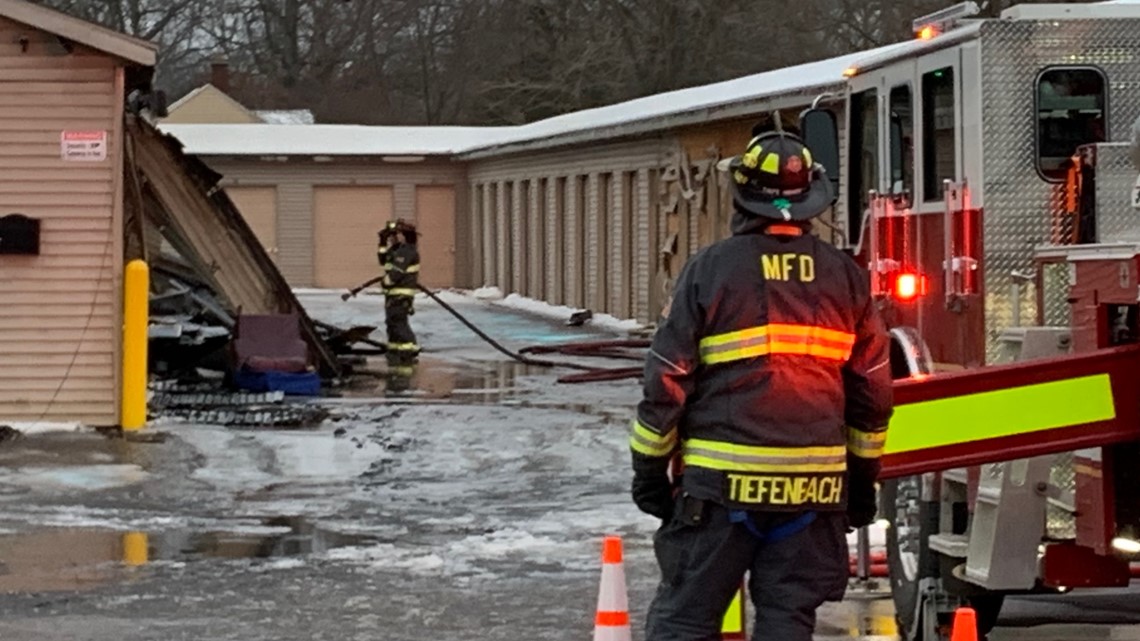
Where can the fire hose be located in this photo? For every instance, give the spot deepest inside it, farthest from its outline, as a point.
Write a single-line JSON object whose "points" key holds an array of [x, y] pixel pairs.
{"points": [[588, 373]]}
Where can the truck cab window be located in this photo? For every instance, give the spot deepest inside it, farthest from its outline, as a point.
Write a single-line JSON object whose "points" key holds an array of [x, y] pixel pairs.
{"points": [[902, 140], [939, 156], [1070, 112], [864, 159]]}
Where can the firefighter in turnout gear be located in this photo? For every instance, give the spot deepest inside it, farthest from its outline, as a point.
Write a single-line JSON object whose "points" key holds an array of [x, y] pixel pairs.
{"points": [[768, 384], [401, 262]]}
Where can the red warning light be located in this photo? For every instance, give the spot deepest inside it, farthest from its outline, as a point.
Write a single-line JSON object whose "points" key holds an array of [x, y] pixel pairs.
{"points": [[909, 286]]}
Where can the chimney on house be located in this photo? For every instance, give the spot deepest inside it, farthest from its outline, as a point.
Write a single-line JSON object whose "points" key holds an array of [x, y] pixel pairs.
{"points": [[220, 73]]}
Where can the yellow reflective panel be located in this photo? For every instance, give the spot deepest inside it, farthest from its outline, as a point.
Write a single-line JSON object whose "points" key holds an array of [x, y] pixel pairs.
{"points": [[1009, 412], [734, 617], [771, 164]]}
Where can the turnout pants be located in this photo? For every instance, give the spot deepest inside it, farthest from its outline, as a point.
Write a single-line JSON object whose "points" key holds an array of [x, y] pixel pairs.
{"points": [[402, 345], [704, 556]]}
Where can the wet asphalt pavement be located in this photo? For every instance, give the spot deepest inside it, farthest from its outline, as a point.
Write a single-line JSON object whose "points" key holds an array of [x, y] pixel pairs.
{"points": [[471, 506]]}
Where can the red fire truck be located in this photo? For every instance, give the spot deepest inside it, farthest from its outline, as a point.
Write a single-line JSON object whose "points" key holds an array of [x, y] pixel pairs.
{"points": [[987, 174]]}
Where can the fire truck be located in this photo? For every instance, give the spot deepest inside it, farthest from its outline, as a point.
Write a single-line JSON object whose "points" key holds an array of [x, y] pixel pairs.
{"points": [[987, 175]]}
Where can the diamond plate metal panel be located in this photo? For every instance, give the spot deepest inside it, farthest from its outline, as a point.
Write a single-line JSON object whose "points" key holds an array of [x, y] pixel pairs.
{"points": [[1116, 220], [1056, 281], [1059, 521], [1018, 202]]}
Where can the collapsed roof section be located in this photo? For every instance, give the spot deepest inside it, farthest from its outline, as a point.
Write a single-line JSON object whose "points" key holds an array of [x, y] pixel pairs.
{"points": [[177, 196]]}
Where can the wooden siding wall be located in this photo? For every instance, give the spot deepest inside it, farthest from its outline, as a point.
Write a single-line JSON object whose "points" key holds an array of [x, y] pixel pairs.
{"points": [[296, 179], [60, 311], [572, 228]]}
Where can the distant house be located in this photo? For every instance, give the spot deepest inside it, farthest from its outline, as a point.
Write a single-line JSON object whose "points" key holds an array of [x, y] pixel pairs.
{"points": [[208, 105], [211, 104]]}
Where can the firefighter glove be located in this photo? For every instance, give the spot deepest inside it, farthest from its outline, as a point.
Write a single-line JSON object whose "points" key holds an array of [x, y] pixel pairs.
{"points": [[652, 490], [862, 498]]}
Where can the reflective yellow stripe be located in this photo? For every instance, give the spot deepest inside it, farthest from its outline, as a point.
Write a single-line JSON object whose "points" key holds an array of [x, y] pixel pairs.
{"points": [[1000, 413], [403, 347], [777, 338], [866, 444], [734, 618], [414, 269], [648, 442], [399, 291], [731, 457]]}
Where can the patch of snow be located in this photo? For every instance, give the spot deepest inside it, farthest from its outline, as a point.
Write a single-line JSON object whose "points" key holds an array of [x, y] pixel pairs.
{"points": [[281, 564], [547, 310], [487, 293], [328, 140], [77, 478], [45, 427], [286, 116], [317, 139]]}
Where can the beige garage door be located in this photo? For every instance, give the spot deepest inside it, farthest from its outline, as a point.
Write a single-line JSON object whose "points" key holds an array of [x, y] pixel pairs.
{"points": [[258, 205], [345, 223], [435, 219]]}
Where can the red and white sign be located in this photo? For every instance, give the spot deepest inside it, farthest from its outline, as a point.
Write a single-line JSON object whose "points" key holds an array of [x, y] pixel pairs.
{"points": [[83, 146]]}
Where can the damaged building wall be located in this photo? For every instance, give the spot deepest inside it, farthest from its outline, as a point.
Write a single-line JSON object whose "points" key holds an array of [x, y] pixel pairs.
{"points": [[322, 228], [60, 311], [180, 197]]}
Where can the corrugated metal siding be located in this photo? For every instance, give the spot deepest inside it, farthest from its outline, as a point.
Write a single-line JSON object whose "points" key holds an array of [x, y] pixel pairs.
{"points": [[295, 233], [574, 239], [59, 320], [555, 247], [595, 242], [620, 260], [296, 178], [490, 224], [404, 200], [641, 249], [518, 238], [478, 228], [536, 235], [503, 235], [580, 248]]}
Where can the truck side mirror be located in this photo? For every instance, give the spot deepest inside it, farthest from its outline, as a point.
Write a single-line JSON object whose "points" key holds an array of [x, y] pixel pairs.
{"points": [[821, 135]]}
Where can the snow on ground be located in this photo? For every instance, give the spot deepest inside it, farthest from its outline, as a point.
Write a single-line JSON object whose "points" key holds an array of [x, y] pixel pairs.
{"points": [[539, 308], [367, 307], [44, 427]]}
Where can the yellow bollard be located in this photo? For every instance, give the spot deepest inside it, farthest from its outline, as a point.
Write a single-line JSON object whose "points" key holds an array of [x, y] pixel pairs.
{"points": [[136, 314], [135, 548]]}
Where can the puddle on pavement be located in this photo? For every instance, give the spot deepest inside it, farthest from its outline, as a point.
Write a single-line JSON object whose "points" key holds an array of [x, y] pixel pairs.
{"points": [[432, 379], [77, 559]]}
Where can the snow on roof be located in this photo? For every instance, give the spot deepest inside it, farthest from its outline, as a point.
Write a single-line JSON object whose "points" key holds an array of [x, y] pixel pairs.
{"points": [[286, 116], [626, 118], [327, 140]]}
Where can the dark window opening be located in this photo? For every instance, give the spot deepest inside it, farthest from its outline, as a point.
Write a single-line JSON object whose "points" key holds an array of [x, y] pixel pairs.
{"points": [[1071, 107], [902, 140], [864, 160], [939, 132]]}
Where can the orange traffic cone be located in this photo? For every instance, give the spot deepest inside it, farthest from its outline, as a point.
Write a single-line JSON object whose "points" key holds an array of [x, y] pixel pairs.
{"points": [[612, 620], [965, 625]]}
